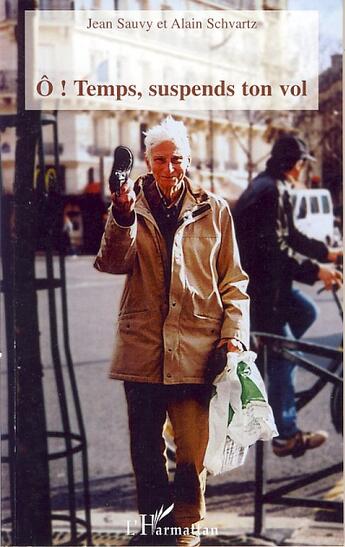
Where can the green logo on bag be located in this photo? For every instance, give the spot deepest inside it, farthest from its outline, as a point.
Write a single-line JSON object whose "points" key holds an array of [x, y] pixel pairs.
{"points": [[250, 391], [231, 414]]}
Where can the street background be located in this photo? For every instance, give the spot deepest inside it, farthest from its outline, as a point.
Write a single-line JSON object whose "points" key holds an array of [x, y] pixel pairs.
{"points": [[93, 301], [229, 148]]}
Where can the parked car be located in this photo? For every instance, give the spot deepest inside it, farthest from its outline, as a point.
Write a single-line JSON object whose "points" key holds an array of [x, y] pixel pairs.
{"points": [[313, 213]]}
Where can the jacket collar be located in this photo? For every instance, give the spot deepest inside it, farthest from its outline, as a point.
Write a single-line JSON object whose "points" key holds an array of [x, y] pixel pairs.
{"points": [[195, 195]]}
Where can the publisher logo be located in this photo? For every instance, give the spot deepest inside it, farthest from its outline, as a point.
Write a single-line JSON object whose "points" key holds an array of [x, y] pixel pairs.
{"points": [[151, 524]]}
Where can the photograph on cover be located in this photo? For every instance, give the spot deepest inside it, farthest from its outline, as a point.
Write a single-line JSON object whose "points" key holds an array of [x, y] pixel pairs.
{"points": [[171, 312]]}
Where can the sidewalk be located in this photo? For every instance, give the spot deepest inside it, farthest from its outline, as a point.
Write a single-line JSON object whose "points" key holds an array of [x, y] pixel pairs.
{"points": [[109, 529], [321, 529]]}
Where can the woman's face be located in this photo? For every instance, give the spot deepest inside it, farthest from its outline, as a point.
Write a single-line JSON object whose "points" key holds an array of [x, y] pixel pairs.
{"points": [[168, 164]]}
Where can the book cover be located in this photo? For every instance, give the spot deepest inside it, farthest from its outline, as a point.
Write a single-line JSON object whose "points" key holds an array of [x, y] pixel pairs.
{"points": [[77, 79]]}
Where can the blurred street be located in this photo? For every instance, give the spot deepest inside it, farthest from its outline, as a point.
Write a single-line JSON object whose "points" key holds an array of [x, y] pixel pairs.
{"points": [[93, 301]]}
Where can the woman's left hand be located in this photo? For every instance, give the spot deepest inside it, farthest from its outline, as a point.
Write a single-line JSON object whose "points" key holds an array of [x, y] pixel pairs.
{"points": [[233, 345]]}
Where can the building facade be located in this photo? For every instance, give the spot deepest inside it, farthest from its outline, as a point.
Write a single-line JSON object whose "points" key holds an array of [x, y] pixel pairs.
{"points": [[221, 144], [322, 130]]}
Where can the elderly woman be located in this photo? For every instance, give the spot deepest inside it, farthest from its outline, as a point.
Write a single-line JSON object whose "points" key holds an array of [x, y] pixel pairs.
{"points": [[184, 296]]}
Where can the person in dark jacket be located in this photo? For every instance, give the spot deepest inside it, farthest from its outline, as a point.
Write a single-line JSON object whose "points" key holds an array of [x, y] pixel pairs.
{"points": [[270, 248]]}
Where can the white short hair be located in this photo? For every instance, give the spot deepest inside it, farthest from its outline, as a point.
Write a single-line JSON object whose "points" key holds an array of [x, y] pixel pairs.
{"points": [[168, 130]]}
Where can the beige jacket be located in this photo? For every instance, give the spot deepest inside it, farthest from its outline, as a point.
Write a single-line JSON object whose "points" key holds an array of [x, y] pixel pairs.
{"points": [[167, 338]]}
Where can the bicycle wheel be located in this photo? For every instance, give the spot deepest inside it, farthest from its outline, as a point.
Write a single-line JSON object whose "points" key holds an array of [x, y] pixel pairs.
{"points": [[336, 404]]}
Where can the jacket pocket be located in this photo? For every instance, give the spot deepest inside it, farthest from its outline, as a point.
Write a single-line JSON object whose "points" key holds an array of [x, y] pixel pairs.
{"points": [[133, 320], [131, 314], [206, 308], [138, 347], [133, 301], [135, 333]]}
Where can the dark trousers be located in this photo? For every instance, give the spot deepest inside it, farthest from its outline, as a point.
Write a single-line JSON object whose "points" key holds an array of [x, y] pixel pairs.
{"points": [[187, 407]]}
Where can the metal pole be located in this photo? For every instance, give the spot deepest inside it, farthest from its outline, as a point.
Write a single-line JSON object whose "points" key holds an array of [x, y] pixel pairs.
{"points": [[260, 471], [8, 289], [31, 519], [54, 343]]}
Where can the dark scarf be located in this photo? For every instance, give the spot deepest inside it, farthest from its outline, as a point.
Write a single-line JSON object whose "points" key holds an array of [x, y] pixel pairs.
{"points": [[166, 217]]}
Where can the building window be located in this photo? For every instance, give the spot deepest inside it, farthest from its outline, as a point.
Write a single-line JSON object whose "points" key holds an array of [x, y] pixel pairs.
{"points": [[5, 148], [102, 71], [314, 205], [49, 148], [325, 204], [11, 9], [302, 213], [56, 4]]}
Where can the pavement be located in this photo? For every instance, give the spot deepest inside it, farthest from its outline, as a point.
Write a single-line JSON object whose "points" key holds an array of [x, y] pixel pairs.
{"points": [[109, 528], [220, 528], [230, 501]]}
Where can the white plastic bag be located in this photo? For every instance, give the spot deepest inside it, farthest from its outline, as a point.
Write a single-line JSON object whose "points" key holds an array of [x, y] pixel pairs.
{"points": [[252, 418], [222, 454], [239, 414]]}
